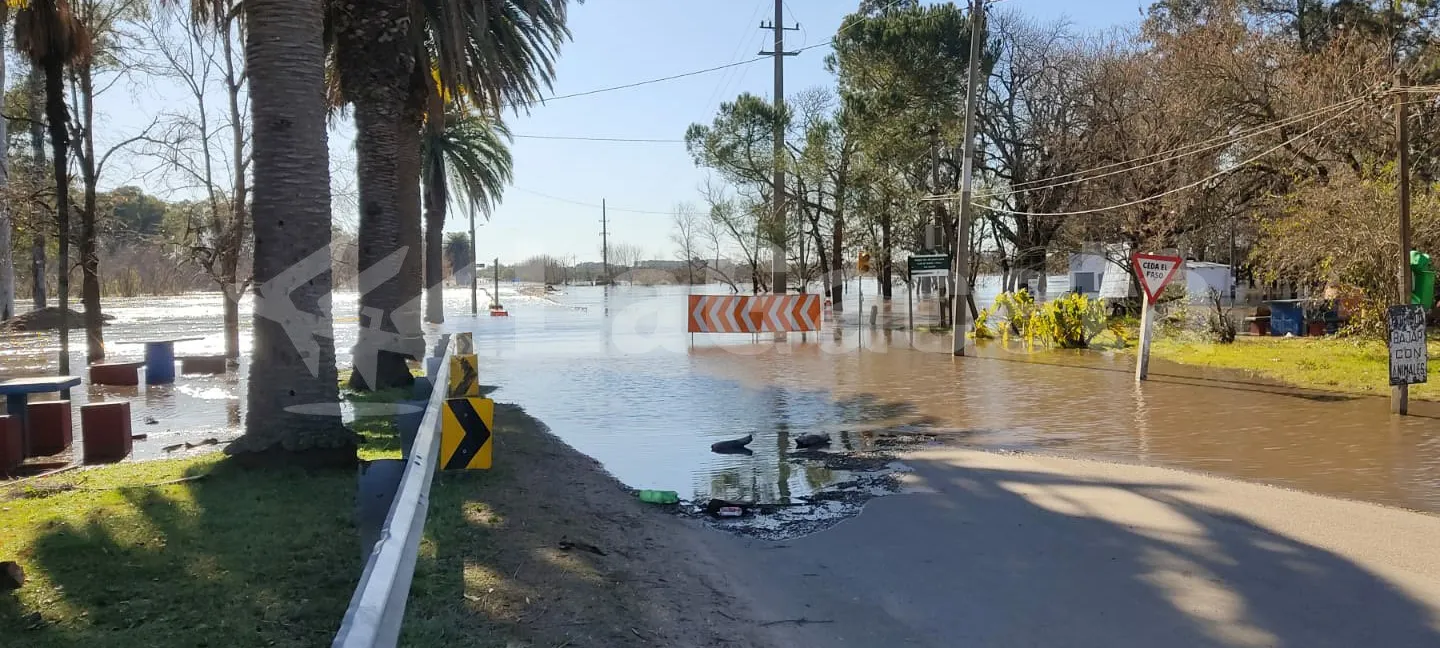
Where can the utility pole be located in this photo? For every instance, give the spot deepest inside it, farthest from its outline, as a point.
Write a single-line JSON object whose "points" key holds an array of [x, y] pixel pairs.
{"points": [[777, 243], [958, 321], [1400, 394], [474, 271], [604, 244]]}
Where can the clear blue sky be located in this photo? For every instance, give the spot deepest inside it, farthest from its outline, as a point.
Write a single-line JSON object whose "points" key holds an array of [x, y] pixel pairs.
{"points": [[615, 42], [622, 41]]}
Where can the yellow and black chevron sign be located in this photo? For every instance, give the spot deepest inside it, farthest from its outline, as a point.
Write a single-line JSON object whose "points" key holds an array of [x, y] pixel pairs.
{"points": [[465, 439], [464, 344], [464, 377]]}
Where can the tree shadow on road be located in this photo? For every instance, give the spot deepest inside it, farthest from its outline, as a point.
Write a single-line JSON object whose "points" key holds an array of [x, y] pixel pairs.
{"points": [[996, 556]]}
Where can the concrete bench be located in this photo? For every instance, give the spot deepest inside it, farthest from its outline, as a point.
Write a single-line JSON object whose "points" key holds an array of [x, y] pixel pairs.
{"points": [[116, 373]]}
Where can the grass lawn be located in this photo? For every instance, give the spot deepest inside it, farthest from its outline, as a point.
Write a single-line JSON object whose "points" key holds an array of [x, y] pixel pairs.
{"points": [[1335, 364], [237, 557], [234, 558]]}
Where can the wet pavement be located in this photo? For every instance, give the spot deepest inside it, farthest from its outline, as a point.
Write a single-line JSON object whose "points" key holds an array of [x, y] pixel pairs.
{"points": [[613, 373]]}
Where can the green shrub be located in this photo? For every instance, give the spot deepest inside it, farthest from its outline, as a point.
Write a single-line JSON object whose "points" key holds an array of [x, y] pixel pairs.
{"points": [[1070, 322]]}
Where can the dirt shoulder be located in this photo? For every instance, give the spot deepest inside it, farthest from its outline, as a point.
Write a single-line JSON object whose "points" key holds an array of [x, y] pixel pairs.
{"points": [[547, 549]]}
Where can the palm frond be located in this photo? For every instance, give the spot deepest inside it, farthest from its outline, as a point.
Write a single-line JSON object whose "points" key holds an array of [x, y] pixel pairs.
{"points": [[495, 54], [474, 154], [48, 28]]}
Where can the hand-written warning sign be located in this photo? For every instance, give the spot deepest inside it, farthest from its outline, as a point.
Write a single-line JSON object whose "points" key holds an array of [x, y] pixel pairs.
{"points": [[1154, 272], [1409, 359]]}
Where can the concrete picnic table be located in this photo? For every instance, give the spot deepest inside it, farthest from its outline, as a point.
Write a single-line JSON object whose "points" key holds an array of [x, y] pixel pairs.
{"points": [[160, 358], [17, 399]]}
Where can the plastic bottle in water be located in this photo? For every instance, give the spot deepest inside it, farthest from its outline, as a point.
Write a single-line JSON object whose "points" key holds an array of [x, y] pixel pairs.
{"points": [[659, 497]]}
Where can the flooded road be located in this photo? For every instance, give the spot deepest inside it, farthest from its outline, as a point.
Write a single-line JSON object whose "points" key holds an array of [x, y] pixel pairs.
{"points": [[615, 375]]}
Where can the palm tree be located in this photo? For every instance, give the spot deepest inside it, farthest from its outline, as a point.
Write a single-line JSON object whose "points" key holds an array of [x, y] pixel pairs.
{"points": [[48, 34], [471, 152], [458, 253], [394, 61], [291, 379]]}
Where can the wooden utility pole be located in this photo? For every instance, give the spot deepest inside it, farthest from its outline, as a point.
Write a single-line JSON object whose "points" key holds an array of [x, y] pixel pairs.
{"points": [[604, 244], [960, 317], [1400, 394], [777, 232]]}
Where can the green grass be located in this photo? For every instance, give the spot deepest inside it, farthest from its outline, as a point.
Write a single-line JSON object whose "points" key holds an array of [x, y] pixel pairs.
{"points": [[237, 557], [1329, 363]]}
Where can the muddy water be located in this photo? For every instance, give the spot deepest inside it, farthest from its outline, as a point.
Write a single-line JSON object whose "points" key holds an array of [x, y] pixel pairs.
{"points": [[615, 375]]}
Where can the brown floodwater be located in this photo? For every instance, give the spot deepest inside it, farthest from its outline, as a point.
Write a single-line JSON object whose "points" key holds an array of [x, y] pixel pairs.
{"points": [[613, 373]]}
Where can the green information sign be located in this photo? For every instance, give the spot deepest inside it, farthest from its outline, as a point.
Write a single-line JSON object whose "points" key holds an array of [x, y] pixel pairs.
{"points": [[930, 265]]}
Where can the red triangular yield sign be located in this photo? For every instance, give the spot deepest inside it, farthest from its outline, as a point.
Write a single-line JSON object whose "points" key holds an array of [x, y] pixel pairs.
{"points": [[1155, 271]]}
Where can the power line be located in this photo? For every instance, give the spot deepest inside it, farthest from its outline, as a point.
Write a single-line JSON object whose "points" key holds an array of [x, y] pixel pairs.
{"points": [[592, 205], [1162, 194], [580, 138], [1178, 152], [671, 77]]}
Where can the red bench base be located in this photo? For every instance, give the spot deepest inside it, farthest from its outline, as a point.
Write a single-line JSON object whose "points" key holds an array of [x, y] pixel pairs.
{"points": [[105, 429], [116, 373], [203, 365], [12, 452], [51, 426]]}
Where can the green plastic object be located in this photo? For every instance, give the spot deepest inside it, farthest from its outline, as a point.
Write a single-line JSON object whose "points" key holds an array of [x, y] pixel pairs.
{"points": [[659, 497], [1422, 279]]}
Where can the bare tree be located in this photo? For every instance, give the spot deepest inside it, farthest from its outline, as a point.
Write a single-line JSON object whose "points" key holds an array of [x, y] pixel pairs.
{"points": [[687, 238], [626, 255], [205, 146]]}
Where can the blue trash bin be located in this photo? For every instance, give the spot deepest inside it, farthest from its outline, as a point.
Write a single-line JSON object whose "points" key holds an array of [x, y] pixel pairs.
{"points": [[1287, 316], [159, 363]]}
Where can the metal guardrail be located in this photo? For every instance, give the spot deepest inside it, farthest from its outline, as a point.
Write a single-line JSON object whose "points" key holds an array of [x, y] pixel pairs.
{"points": [[378, 606]]}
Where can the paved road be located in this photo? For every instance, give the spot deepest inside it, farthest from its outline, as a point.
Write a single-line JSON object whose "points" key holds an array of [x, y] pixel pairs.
{"points": [[1015, 551]]}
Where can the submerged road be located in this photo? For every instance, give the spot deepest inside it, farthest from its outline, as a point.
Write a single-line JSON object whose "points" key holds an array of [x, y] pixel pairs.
{"points": [[1020, 550]]}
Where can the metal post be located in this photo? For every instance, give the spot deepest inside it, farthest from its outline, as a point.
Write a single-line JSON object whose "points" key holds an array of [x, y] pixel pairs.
{"points": [[1400, 394], [604, 243], [496, 296], [962, 235], [474, 271], [1142, 361]]}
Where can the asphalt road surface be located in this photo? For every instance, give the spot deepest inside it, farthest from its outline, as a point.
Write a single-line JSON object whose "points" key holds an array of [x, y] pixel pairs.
{"points": [[1017, 550]]}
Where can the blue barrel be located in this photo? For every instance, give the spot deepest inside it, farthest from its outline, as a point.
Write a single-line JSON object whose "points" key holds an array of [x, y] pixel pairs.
{"points": [[159, 363]]}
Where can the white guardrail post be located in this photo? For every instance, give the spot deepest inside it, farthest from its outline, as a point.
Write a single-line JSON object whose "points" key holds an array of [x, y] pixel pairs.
{"points": [[378, 606]]}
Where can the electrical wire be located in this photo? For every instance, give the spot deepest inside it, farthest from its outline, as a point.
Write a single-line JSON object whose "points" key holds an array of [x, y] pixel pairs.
{"points": [[1180, 152], [1219, 140], [578, 138], [592, 205], [1162, 194], [735, 55], [672, 77]]}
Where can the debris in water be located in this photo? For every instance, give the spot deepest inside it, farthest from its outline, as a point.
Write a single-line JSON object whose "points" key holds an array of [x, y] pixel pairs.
{"points": [[733, 446], [172, 448], [812, 440], [139, 437], [659, 497], [150, 420]]}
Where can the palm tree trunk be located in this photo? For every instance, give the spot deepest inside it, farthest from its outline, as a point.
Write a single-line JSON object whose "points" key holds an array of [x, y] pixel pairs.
{"points": [[379, 152], [379, 76], [58, 117], [435, 196], [288, 385]]}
